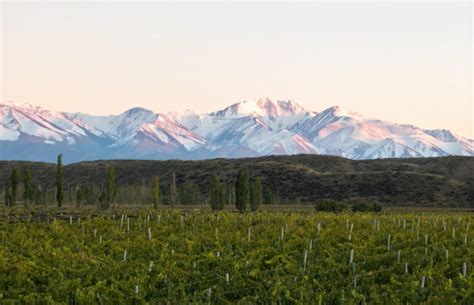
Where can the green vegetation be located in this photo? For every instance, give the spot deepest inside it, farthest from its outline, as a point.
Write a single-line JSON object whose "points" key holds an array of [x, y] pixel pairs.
{"points": [[435, 182], [189, 193], [256, 195], [27, 187], [80, 253], [173, 192], [270, 198], [217, 195], [8, 196], [110, 185], [59, 181], [156, 191], [242, 191], [89, 256], [326, 205], [14, 187], [366, 207]]}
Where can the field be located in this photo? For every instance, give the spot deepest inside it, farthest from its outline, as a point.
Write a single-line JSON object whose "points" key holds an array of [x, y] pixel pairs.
{"points": [[136, 256]]}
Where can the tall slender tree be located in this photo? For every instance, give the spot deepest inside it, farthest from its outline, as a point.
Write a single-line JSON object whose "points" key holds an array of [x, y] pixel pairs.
{"points": [[251, 195], [173, 194], [256, 194], [110, 196], [269, 198], [8, 195], [14, 186], [43, 194], [59, 181], [242, 192], [217, 196], [156, 191], [231, 194], [27, 187]]}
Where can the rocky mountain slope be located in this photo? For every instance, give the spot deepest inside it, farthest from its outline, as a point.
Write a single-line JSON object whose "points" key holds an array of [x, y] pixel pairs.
{"points": [[244, 129]]}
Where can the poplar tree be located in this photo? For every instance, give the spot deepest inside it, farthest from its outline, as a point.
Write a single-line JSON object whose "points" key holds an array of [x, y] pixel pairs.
{"points": [[251, 195], [8, 196], [231, 194], [242, 193], [217, 198], [80, 194], [256, 194], [43, 194], [269, 198], [59, 181], [156, 191], [277, 197], [110, 196], [27, 187], [14, 186], [173, 195]]}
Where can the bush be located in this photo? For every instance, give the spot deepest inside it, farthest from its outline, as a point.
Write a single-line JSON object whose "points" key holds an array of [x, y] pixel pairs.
{"points": [[366, 207], [327, 205]]}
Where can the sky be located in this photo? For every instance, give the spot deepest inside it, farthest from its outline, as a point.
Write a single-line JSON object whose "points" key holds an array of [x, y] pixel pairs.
{"points": [[405, 62]]}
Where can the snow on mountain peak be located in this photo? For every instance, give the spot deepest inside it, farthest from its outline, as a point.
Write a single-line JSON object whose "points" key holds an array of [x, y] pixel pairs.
{"points": [[266, 107], [279, 107], [248, 128], [137, 111], [338, 111], [50, 126], [27, 108], [442, 134]]}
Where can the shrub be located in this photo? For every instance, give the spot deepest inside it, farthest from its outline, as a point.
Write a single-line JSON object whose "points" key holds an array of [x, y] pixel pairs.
{"points": [[366, 207], [327, 205]]}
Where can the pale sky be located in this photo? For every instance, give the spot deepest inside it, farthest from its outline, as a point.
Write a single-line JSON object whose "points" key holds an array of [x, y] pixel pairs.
{"points": [[405, 62]]}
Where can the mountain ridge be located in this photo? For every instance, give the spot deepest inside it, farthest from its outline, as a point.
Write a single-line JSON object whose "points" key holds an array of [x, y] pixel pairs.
{"points": [[244, 129], [441, 181]]}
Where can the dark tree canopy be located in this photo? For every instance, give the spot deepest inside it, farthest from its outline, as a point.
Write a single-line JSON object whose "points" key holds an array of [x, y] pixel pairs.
{"points": [[110, 196], [256, 194], [217, 196], [14, 186], [156, 191], [242, 190], [59, 181]]}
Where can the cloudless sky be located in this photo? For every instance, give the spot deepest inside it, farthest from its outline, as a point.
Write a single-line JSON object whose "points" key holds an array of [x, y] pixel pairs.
{"points": [[404, 61]]}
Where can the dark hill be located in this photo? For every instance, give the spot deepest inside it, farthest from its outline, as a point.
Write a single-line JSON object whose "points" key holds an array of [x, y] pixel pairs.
{"points": [[447, 181]]}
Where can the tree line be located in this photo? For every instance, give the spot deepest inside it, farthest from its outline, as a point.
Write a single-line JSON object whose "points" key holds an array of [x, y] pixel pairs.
{"points": [[245, 194]]}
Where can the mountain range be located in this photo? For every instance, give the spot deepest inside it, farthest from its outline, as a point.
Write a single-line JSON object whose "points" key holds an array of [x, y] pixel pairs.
{"points": [[244, 129]]}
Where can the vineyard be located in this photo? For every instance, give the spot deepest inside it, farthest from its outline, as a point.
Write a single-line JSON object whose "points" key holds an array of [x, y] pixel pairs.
{"points": [[195, 257]]}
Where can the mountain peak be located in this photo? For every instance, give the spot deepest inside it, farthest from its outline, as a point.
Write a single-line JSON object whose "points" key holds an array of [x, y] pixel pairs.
{"points": [[22, 106], [137, 111], [442, 134], [247, 128], [340, 112], [279, 107], [335, 110], [17, 104], [264, 106]]}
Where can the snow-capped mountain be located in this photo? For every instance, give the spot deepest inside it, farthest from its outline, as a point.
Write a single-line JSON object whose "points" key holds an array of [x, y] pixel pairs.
{"points": [[33, 133], [262, 127], [248, 128]]}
